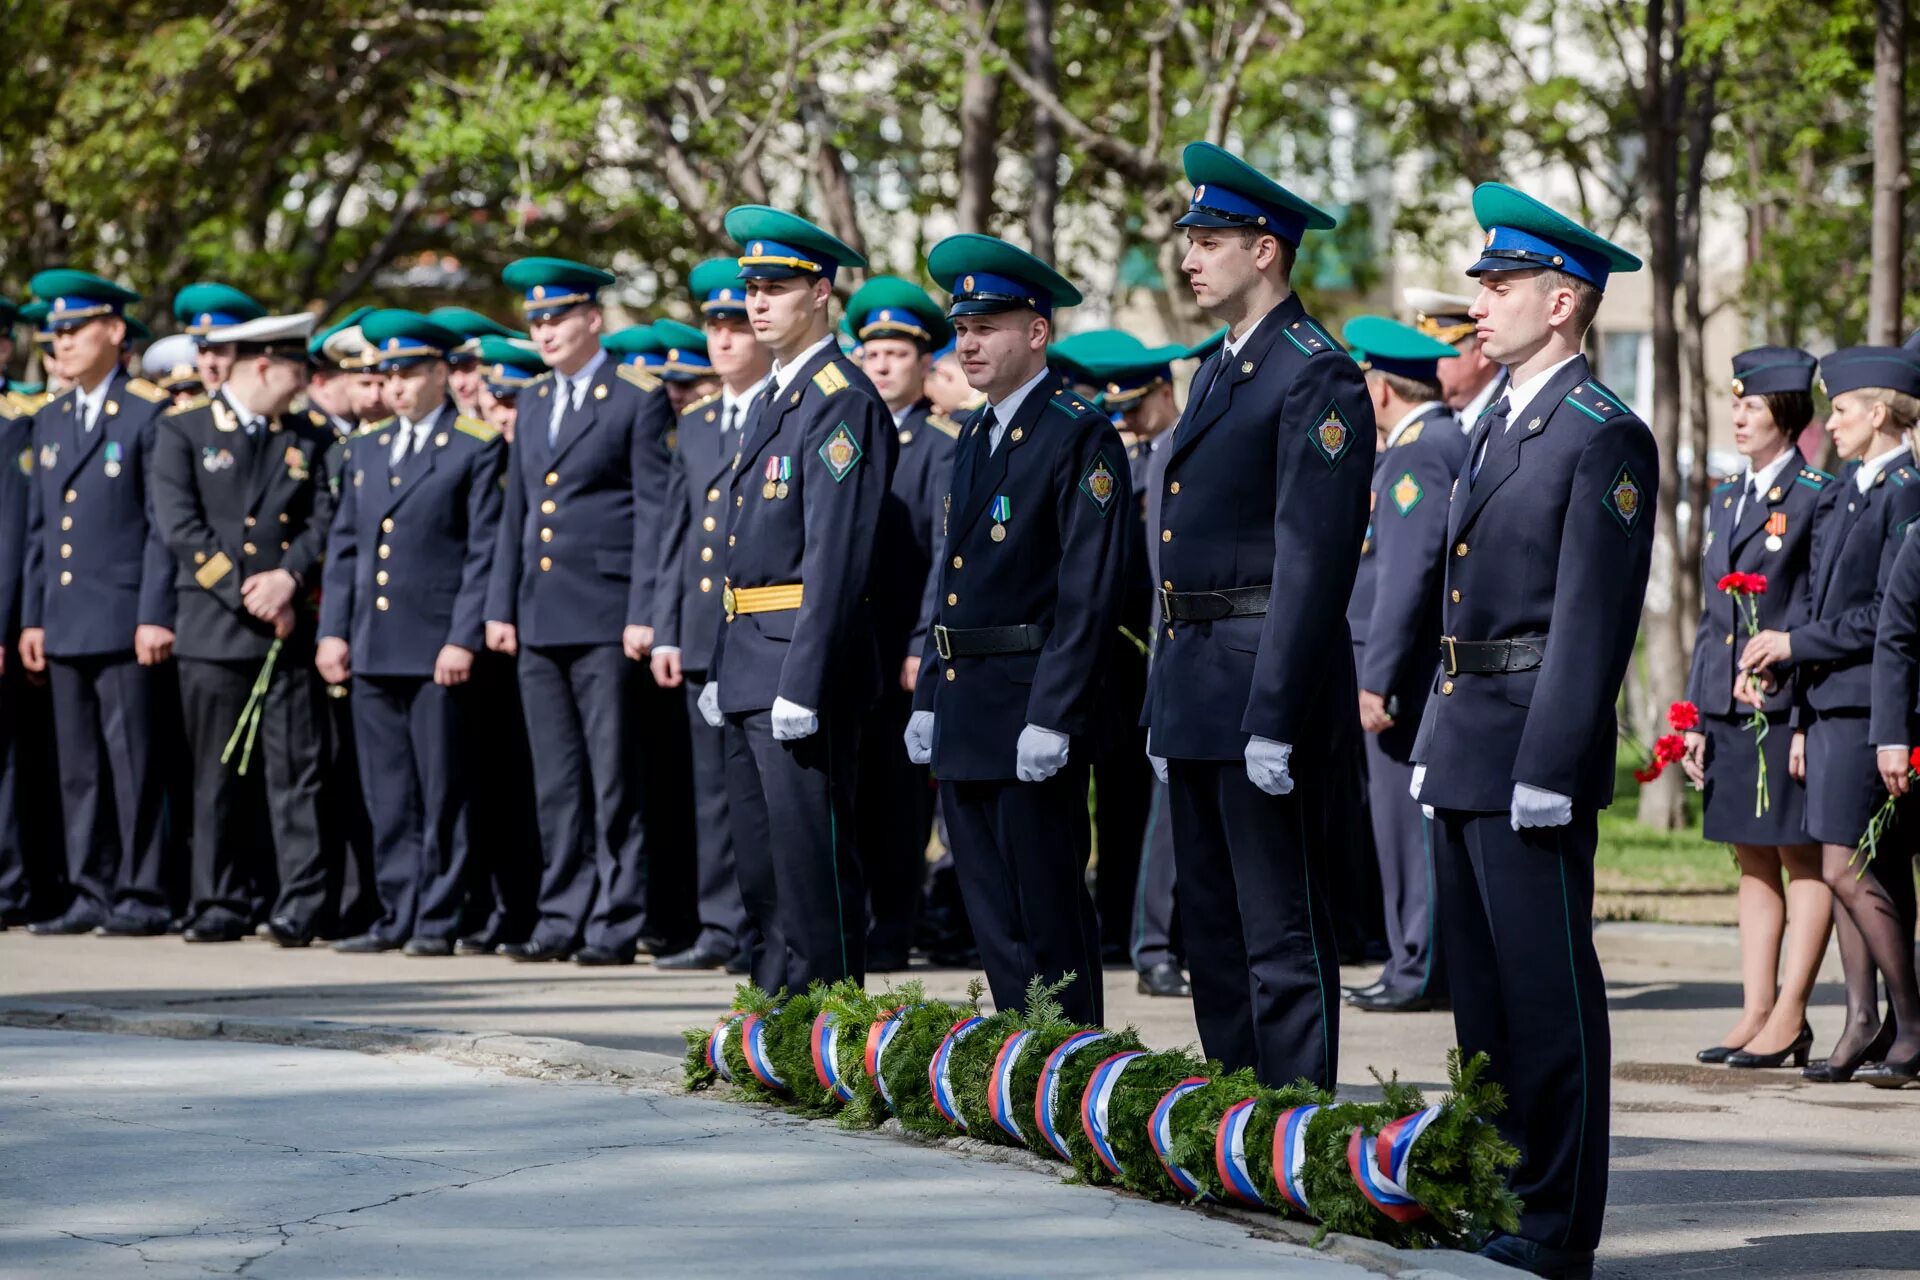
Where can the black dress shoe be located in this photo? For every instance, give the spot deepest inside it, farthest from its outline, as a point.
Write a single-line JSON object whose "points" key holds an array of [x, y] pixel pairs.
{"points": [[1391, 1002], [1716, 1055], [1540, 1259], [1840, 1071], [286, 932], [428, 947], [536, 952], [649, 945], [740, 963], [1798, 1050], [602, 957], [1371, 989], [216, 928], [130, 927], [694, 957], [477, 944], [1890, 1074], [75, 921], [1164, 979], [366, 944]]}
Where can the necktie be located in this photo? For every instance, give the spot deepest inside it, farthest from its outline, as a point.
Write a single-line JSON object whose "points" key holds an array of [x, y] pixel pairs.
{"points": [[1494, 423], [561, 400], [1748, 496]]}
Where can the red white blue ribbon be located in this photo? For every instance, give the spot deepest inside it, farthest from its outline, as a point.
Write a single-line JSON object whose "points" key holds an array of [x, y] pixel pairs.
{"points": [[1230, 1154], [1000, 1086], [879, 1036], [1095, 1102], [1046, 1099], [1160, 1134], [753, 1039], [1379, 1167], [943, 1100], [826, 1068], [1290, 1157], [717, 1043]]}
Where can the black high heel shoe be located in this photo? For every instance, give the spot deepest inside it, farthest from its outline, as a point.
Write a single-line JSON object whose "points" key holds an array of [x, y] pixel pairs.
{"points": [[1802, 1045], [1718, 1054], [1891, 1075], [1827, 1071]]}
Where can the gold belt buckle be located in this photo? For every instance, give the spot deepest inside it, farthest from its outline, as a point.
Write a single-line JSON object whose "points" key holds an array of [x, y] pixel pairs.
{"points": [[727, 600], [940, 644], [1453, 655]]}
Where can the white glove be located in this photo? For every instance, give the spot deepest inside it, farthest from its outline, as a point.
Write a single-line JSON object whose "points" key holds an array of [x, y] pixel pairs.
{"points": [[1419, 780], [1159, 763], [1267, 765], [791, 721], [919, 737], [1039, 754], [709, 705], [1535, 807], [1426, 811]]}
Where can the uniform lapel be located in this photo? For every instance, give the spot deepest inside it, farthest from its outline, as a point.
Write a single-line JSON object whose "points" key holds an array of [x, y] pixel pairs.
{"points": [[1754, 518], [1845, 518], [1231, 371], [82, 444], [415, 466], [576, 423], [990, 472], [1504, 453], [765, 425]]}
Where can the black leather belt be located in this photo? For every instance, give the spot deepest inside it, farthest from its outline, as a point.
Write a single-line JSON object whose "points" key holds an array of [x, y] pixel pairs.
{"points": [[1212, 606], [1492, 657], [988, 642]]}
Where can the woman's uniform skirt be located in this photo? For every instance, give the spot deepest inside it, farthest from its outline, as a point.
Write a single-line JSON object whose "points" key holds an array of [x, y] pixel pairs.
{"points": [[1732, 767]]}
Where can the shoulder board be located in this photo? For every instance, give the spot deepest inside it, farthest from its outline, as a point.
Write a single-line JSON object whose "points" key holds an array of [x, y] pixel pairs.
{"points": [[1070, 403], [477, 429], [1410, 435], [830, 380], [198, 402], [1310, 338], [638, 377], [1813, 478], [1725, 485], [148, 391], [372, 427], [701, 403], [944, 425], [1595, 401], [1900, 475], [318, 418]]}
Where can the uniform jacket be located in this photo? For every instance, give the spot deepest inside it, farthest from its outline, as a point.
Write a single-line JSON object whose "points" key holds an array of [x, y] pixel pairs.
{"points": [[1791, 504], [829, 439], [407, 563], [16, 489], [1855, 544], [1896, 653], [693, 535], [1067, 515], [1555, 538], [1395, 609], [95, 565], [909, 525], [578, 544], [1266, 482], [230, 506]]}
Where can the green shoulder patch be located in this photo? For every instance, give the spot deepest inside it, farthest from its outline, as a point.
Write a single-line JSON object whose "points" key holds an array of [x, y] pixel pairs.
{"points": [[477, 429], [1406, 493], [944, 425], [151, 392], [1332, 435], [1070, 403], [1098, 483], [638, 376], [1310, 338], [1624, 498], [830, 380], [1595, 401], [198, 402], [1813, 478], [840, 452]]}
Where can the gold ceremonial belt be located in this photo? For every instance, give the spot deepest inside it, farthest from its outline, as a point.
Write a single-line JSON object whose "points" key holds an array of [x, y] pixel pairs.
{"points": [[739, 600]]}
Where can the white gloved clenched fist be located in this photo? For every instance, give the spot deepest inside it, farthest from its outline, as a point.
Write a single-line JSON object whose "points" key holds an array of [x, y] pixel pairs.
{"points": [[919, 737], [1537, 807], [1039, 754], [791, 721], [709, 705], [1267, 765]]}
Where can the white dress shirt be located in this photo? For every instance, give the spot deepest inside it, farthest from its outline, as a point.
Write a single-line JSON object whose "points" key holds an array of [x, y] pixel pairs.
{"points": [[1481, 400], [1233, 345], [412, 436], [570, 391], [91, 401], [1758, 482], [784, 374], [1870, 469], [1003, 412]]}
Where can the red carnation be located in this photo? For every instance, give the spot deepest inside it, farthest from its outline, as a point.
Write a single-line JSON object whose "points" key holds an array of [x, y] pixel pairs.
{"points": [[1756, 584], [1683, 716], [1729, 582], [1669, 748], [1913, 760], [1648, 774]]}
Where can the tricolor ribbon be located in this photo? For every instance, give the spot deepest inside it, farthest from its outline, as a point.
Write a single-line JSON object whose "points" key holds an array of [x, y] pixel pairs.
{"points": [[1046, 1099], [1160, 1134], [717, 1043], [826, 1068], [943, 1100], [1230, 1154], [1000, 1087], [1290, 1156], [1094, 1104], [753, 1039], [1379, 1167], [879, 1036]]}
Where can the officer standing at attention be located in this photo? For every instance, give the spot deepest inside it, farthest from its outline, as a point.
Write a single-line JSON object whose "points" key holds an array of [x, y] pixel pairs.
{"points": [[463, 362], [1470, 382], [1266, 490], [687, 606], [202, 308], [571, 595], [240, 493], [1030, 588], [685, 367], [1550, 533], [1394, 615], [401, 606], [899, 327], [97, 610], [795, 666]]}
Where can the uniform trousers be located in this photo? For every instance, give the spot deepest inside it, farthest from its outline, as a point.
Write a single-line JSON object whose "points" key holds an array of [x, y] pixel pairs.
{"points": [[110, 785], [30, 825], [1404, 847], [503, 832], [723, 916], [1020, 851], [232, 853], [345, 830], [794, 848], [1516, 922], [582, 727], [1152, 940], [411, 736], [894, 809], [1253, 911], [667, 812]]}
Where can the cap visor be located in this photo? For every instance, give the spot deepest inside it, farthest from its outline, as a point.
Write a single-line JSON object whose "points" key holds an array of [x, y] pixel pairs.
{"points": [[1196, 218]]}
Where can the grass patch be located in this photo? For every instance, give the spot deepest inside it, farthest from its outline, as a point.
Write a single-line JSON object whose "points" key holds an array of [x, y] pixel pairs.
{"points": [[1638, 859]]}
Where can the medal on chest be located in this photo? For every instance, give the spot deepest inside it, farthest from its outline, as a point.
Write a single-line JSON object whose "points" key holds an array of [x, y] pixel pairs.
{"points": [[1776, 526], [1002, 512], [779, 472]]}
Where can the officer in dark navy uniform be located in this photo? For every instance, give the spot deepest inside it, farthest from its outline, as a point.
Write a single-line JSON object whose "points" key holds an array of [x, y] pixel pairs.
{"points": [[203, 307], [899, 327], [463, 362], [685, 366], [97, 610], [1030, 588], [1394, 615], [240, 493], [687, 612], [404, 591], [1265, 493], [571, 593], [1550, 534], [796, 665]]}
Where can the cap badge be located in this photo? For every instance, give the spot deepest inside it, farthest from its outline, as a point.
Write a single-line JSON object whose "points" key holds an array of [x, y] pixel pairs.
{"points": [[539, 292], [966, 285], [1200, 193]]}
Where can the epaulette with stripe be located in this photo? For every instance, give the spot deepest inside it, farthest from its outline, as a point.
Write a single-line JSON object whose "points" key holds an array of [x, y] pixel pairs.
{"points": [[151, 392], [198, 402], [1310, 338], [830, 380], [1814, 478], [638, 376], [1070, 403], [477, 429], [701, 403], [1596, 402], [1901, 476], [944, 425], [372, 427]]}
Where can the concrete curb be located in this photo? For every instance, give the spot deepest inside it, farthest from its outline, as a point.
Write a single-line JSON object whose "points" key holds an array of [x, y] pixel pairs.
{"points": [[546, 1058]]}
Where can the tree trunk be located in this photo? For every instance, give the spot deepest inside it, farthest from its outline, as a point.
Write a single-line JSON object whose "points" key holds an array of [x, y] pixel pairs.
{"points": [[979, 113], [835, 190], [1045, 157], [1698, 482], [1889, 168], [1663, 631]]}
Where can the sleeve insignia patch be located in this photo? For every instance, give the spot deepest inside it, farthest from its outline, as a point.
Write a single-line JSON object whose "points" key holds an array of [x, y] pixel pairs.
{"points": [[1407, 493], [1624, 499], [840, 451], [830, 380], [1098, 482], [1331, 435]]}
